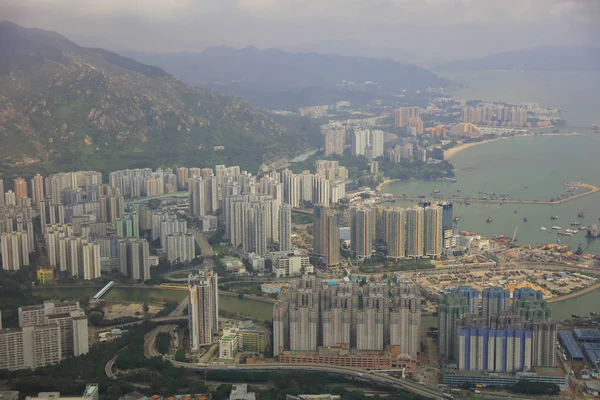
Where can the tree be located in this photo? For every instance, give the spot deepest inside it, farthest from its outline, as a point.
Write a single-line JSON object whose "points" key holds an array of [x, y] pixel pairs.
{"points": [[95, 318], [180, 356]]}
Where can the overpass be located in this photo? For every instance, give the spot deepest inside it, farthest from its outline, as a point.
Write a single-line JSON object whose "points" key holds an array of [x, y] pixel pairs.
{"points": [[205, 247], [372, 376]]}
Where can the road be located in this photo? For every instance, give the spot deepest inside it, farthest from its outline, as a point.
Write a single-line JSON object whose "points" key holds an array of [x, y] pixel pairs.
{"points": [[205, 248], [372, 376], [108, 368], [150, 338]]}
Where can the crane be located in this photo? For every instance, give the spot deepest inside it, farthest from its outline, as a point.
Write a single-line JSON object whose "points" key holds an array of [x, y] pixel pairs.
{"points": [[515, 234]]}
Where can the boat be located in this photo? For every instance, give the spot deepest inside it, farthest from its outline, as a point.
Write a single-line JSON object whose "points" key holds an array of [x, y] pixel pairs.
{"points": [[543, 228], [525, 219], [456, 219], [574, 223], [574, 315], [516, 211], [555, 227], [489, 220], [581, 214], [582, 228], [554, 217]]}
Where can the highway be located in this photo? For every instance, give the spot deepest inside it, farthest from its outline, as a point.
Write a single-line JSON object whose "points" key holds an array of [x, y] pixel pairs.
{"points": [[372, 376], [150, 338]]}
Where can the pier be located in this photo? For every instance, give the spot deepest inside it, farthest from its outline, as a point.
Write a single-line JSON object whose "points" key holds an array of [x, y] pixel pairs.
{"points": [[590, 189]]}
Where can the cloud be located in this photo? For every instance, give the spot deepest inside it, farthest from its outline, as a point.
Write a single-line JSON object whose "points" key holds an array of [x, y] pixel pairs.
{"points": [[439, 28]]}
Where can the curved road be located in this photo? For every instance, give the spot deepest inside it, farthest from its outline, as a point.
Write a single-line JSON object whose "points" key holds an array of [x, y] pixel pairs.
{"points": [[372, 376]]}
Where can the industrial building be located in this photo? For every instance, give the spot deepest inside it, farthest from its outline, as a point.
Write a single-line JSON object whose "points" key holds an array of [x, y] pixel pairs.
{"points": [[570, 345], [492, 379]]}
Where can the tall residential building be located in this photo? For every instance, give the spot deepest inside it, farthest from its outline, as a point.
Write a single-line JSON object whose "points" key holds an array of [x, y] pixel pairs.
{"points": [[335, 141], [395, 232], [180, 247], [20, 189], [134, 258], [415, 232], [360, 142], [362, 232], [112, 204], [203, 196], [405, 318], [375, 317], [506, 342], [304, 316], [377, 141], [371, 317], [494, 300], [14, 249], [47, 334], [1, 192], [128, 225], [285, 227], [472, 296], [79, 258], [326, 235], [403, 114], [51, 213], [252, 222], [30, 347], [37, 189], [451, 308], [203, 308], [501, 350], [434, 238], [447, 224]]}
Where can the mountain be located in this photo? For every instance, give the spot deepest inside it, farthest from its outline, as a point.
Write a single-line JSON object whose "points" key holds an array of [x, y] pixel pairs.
{"points": [[353, 48], [65, 107], [279, 79], [552, 58]]}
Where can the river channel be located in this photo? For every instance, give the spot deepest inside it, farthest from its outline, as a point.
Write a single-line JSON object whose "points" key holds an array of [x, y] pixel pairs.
{"points": [[258, 310]]}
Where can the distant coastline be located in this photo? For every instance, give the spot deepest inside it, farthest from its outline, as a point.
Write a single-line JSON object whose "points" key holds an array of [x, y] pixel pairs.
{"points": [[457, 149], [451, 152]]}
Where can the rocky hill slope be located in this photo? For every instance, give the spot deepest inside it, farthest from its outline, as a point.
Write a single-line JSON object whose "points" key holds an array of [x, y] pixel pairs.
{"points": [[65, 107]]}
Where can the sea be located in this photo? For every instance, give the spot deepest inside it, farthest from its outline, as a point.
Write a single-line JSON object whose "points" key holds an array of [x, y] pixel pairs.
{"points": [[528, 168]]}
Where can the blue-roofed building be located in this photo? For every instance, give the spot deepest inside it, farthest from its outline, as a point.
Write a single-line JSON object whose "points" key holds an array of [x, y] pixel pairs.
{"points": [[563, 275], [570, 345], [591, 351], [502, 350], [587, 335]]}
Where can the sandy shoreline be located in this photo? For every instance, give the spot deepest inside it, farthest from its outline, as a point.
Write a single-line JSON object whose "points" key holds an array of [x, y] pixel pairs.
{"points": [[455, 150]]}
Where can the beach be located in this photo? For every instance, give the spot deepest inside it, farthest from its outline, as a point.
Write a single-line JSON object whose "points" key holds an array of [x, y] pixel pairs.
{"points": [[455, 150]]}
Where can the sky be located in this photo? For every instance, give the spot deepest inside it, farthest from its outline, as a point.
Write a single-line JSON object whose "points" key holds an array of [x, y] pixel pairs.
{"points": [[424, 31]]}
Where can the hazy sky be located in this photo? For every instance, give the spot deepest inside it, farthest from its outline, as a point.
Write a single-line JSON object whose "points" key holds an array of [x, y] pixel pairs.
{"points": [[430, 29]]}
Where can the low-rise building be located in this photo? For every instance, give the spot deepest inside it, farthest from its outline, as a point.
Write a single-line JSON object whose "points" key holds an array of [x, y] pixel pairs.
{"points": [[498, 379], [228, 344], [240, 392], [234, 265], [257, 262], [292, 265]]}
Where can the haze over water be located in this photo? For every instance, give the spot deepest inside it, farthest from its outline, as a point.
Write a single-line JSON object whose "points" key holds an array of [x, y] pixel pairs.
{"points": [[527, 168]]}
